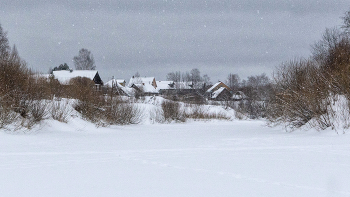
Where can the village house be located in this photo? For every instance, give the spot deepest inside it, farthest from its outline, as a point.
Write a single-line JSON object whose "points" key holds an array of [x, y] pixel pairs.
{"points": [[219, 92], [145, 86], [64, 76]]}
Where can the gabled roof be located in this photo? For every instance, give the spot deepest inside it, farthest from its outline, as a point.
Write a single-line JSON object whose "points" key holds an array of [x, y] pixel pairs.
{"points": [[120, 80], [146, 88], [127, 90], [217, 86], [217, 92], [214, 86], [144, 83], [63, 76]]}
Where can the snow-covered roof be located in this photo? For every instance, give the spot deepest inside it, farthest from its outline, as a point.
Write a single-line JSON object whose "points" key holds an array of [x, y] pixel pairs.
{"points": [[120, 80], [214, 86], [63, 76], [127, 90], [217, 92], [165, 85], [147, 88], [143, 83], [115, 82], [140, 80]]}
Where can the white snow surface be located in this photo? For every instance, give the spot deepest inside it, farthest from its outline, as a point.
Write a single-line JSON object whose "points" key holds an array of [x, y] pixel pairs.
{"points": [[197, 158]]}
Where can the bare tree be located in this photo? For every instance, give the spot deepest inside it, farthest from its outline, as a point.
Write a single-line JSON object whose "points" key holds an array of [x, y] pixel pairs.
{"points": [[186, 77], [174, 76], [233, 81], [346, 21], [4, 44], [320, 50], [195, 75], [196, 78], [137, 74], [84, 61], [14, 56], [206, 79], [137, 78]]}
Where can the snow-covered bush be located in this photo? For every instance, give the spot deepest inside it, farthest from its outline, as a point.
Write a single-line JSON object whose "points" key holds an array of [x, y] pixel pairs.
{"points": [[172, 111], [206, 112], [121, 113], [60, 110], [110, 112], [7, 117]]}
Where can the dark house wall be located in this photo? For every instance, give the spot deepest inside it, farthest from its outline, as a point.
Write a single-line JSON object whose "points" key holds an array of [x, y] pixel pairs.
{"points": [[97, 79]]}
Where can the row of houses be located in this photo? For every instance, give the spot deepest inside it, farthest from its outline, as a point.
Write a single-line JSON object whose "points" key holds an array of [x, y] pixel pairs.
{"points": [[147, 86]]}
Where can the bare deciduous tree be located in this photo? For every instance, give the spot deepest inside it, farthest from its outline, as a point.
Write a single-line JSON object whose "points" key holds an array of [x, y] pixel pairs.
{"points": [[320, 50], [4, 44], [84, 61], [346, 21], [174, 76], [233, 81], [195, 76], [206, 79], [186, 77]]}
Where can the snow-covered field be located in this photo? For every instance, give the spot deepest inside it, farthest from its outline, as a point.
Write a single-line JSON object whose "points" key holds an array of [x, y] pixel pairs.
{"points": [[214, 158]]}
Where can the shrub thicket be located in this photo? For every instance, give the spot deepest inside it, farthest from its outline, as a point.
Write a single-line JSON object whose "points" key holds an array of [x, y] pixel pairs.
{"points": [[305, 90], [172, 111]]}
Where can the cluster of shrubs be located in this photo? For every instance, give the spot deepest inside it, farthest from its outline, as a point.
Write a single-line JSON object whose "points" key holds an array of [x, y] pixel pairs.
{"points": [[306, 90], [180, 112], [24, 96]]}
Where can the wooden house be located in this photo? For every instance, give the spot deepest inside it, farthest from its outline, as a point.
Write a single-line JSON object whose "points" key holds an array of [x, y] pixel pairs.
{"points": [[146, 86], [219, 91], [64, 76]]}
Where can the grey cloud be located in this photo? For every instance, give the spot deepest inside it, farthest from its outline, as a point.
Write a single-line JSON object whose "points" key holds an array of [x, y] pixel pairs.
{"points": [[297, 6], [155, 37]]}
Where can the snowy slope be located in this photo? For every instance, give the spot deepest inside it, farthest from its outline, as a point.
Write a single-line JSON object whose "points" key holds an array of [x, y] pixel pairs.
{"points": [[213, 158]]}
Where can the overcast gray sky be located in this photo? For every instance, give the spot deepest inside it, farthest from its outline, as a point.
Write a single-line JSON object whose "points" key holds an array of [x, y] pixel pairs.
{"points": [[154, 37]]}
